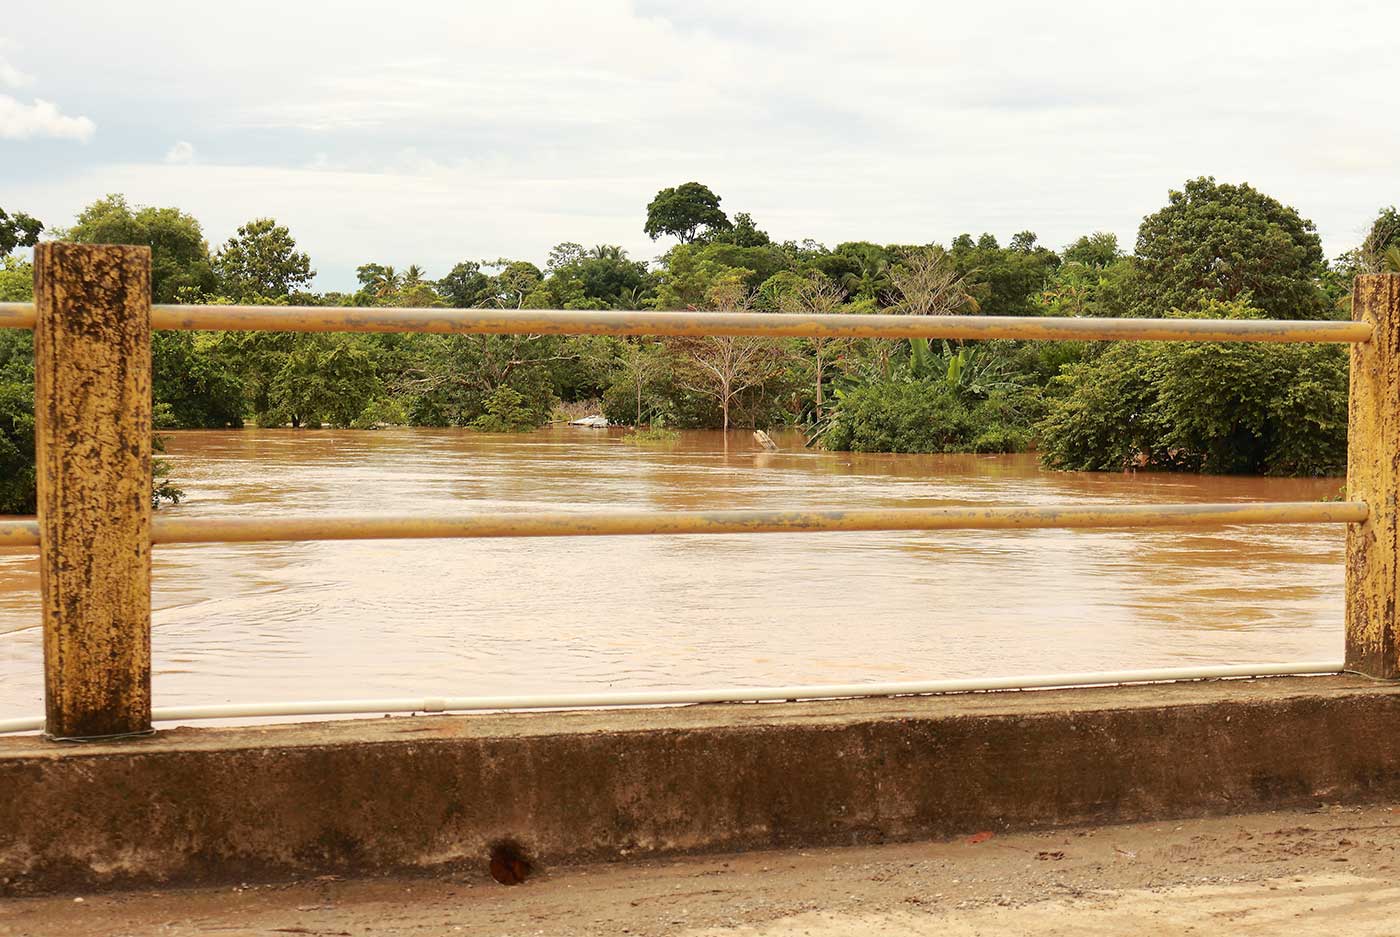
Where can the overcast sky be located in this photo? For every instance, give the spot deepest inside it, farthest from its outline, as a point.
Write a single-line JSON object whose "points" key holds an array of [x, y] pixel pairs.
{"points": [[431, 131]]}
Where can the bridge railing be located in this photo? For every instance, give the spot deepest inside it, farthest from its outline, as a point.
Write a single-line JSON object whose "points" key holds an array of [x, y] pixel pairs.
{"points": [[92, 320]]}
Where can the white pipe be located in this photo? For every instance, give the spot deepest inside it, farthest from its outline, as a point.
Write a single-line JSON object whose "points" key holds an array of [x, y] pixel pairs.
{"points": [[738, 695]]}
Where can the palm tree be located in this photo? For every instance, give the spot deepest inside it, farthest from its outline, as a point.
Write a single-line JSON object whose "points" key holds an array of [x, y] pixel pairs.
{"points": [[1390, 260], [871, 279], [413, 275], [386, 283]]}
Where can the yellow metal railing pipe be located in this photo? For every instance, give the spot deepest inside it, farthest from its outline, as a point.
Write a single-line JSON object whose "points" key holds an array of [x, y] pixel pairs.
{"points": [[17, 316], [173, 530], [767, 325]]}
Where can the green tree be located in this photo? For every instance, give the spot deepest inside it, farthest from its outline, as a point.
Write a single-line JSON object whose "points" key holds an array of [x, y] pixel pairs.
{"points": [[323, 378], [382, 285], [506, 410], [684, 212], [1381, 239], [194, 382], [517, 285], [743, 233], [378, 281], [862, 269], [18, 230], [452, 377], [16, 422], [597, 278], [179, 255], [261, 260], [1227, 242], [465, 286], [1023, 242], [1201, 407], [1080, 289], [16, 280], [1004, 281], [1097, 250]]}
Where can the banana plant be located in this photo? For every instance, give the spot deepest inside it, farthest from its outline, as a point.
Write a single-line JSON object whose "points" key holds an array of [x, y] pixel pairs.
{"points": [[970, 371]]}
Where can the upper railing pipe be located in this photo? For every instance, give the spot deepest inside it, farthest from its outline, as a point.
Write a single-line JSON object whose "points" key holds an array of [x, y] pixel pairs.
{"points": [[169, 530], [769, 325]]}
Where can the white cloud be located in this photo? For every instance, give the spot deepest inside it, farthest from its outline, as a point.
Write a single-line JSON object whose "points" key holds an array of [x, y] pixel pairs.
{"points": [[924, 122], [181, 152], [11, 77], [42, 119]]}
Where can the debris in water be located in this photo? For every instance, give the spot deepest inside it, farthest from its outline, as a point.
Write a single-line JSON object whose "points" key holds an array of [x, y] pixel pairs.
{"points": [[764, 440]]}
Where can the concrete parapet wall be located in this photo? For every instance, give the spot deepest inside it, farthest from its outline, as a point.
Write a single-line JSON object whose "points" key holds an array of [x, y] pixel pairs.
{"points": [[374, 796]]}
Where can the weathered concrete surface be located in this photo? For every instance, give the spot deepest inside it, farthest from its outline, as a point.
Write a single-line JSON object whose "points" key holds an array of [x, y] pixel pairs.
{"points": [[369, 797], [1304, 873]]}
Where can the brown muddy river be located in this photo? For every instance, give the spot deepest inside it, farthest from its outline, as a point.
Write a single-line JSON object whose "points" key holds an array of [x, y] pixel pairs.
{"points": [[298, 621]]}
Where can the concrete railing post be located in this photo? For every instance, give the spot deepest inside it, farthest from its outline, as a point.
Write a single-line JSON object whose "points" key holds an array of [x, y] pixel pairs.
{"points": [[92, 370], [1373, 476]]}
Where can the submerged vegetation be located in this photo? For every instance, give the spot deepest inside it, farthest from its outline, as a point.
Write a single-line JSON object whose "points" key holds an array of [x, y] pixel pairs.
{"points": [[1214, 249]]}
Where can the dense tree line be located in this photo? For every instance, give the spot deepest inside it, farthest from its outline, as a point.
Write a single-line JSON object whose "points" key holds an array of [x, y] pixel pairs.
{"points": [[1214, 249]]}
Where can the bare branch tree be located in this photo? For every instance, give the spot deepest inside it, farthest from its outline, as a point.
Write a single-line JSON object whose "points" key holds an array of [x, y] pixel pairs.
{"points": [[818, 295], [641, 361], [928, 284], [724, 366]]}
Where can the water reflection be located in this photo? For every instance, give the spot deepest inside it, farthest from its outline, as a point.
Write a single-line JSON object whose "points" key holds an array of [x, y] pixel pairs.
{"points": [[323, 620]]}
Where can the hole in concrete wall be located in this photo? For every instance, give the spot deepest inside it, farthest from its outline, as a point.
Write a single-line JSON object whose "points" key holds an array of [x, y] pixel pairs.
{"points": [[509, 865]]}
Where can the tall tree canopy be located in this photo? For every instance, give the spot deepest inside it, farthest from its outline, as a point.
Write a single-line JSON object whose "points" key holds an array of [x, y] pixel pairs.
{"points": [[18, 230], [1377, 251], [262, 261], [1093, 250], [179, 254], [683, 211], [465, 286], [1224, 242]]}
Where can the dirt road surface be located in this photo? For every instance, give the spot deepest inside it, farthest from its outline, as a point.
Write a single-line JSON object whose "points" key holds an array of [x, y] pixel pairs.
{"points": [[1333, 870]]}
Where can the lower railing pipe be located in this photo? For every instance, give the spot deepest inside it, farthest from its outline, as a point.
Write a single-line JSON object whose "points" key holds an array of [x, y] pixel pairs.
{"points": [[167, 530], [736, 695]]}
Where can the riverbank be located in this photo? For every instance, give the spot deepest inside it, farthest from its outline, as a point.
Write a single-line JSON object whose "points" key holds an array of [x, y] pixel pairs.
{"points": [[1326, 870]]}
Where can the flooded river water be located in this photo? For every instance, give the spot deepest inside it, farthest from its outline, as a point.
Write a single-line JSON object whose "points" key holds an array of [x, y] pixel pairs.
{"points": [[290, 621]]}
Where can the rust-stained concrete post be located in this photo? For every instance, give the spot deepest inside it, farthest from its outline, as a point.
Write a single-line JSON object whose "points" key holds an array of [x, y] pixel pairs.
{"points": [[92, 370], [1373, 476]]}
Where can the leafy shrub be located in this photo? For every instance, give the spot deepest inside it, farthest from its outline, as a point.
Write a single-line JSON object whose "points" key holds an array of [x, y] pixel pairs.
{"points": [[655, 433], [1202, 407], [16, 422], [506, 412], [918, 416], [382, 411]]}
